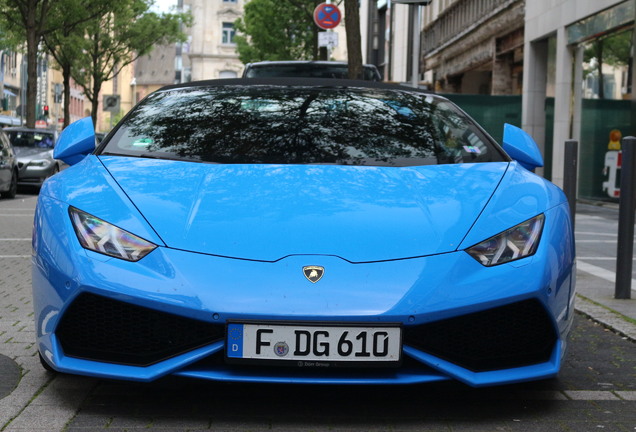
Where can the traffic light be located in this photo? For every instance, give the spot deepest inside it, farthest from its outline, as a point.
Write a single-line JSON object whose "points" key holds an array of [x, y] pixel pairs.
{"points": [[45, 111]]}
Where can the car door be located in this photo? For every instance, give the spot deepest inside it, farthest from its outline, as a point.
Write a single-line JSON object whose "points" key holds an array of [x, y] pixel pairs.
{"points": [[6, 161]]}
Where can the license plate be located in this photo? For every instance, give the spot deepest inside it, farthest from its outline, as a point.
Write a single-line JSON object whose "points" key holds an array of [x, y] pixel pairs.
{"points": [[314, 345]]}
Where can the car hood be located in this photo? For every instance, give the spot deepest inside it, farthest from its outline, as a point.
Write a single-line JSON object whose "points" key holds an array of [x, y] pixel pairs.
{"points": [[33, 153], [267, 212]]}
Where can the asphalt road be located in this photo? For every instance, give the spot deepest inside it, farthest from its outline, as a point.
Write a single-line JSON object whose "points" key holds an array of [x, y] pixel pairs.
{"points": [[596, 389]]}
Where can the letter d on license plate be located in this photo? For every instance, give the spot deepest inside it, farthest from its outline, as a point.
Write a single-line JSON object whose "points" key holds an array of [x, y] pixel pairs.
{"points": [[321, 343]]}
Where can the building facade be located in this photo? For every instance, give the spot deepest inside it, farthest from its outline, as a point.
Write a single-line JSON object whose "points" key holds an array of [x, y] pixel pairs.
{"points": [[473, 46], [211, 50], [49, 109], [467, 46], [570, 62], [579, 63], [10, 86]]}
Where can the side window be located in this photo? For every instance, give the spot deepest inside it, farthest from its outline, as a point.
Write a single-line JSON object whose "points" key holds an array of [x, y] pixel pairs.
{"points": [[460, 138], [227, 74], [47, 141]]}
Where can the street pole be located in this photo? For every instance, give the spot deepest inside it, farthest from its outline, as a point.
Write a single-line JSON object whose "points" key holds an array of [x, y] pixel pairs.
{"points": [[625, 249], [415, 59], [415, 54]]}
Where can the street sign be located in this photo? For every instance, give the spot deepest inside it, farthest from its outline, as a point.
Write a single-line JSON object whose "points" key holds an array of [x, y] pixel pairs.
{"points": [[327, 39], [111, 103], [327, 16]]}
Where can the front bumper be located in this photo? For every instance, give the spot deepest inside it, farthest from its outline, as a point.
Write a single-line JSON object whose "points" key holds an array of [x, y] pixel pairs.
{"points": [[29, 175], [166, 314]]}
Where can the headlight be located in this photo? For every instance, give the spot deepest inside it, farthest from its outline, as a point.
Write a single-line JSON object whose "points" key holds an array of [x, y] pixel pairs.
{"points": [[40, 163], [513, 244], [100, 236]]}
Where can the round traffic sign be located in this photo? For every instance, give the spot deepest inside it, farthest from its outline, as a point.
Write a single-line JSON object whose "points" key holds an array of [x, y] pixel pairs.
{"points": [[327, 16]]}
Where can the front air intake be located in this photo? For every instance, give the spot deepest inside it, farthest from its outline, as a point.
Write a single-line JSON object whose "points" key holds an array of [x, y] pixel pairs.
{"points": [[102, 329], [515, 335]]}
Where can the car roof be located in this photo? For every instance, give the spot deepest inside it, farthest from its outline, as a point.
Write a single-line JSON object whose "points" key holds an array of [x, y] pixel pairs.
{"points": [[25, 129], [292, 62], [297, 82]]}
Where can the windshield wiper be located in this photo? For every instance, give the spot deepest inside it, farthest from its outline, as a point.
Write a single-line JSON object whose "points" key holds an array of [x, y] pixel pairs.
{"points": [[168, 156], [160, 156]]}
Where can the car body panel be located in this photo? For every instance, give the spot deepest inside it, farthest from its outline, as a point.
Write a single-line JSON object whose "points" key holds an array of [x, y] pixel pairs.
{"points": [[93, 190], [520, 195], [189, 208], [420, 293]]}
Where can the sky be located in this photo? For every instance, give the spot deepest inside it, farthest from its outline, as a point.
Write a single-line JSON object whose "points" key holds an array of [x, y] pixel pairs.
{"points": [[163, 5]]}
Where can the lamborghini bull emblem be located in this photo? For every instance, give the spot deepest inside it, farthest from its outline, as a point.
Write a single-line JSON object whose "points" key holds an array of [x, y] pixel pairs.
{"points": [[313, 273]]}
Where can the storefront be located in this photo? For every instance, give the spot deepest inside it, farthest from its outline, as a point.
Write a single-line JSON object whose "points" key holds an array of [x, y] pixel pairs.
{"points": [[579, 86]]}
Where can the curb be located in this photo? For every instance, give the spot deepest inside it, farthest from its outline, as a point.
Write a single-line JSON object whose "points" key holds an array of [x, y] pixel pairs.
{"points": [[606, 316]]}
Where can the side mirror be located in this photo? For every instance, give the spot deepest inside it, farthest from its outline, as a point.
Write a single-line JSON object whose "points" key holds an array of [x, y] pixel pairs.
{"points": [[75, 142], [521, 147]]}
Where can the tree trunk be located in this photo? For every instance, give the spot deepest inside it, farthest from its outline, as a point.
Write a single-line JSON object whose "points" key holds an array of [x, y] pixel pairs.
{"points": [[354, 50], [66, 77], [33, 39], [95, 101]]}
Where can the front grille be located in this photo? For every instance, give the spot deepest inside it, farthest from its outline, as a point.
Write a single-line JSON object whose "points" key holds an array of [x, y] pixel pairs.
{"points": [[519, 334], [102, 329]]}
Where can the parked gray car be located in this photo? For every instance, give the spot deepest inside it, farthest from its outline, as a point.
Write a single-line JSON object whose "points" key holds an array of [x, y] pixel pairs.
{"points": [[8, 168], [34, 150], [308, 69]]}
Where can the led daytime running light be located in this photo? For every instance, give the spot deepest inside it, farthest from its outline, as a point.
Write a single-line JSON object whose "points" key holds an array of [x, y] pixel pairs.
{"points": [[101, 237], [515, 243]]}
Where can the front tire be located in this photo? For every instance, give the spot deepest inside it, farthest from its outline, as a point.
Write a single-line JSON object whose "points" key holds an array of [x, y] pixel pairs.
{"points": [[45, 365]]}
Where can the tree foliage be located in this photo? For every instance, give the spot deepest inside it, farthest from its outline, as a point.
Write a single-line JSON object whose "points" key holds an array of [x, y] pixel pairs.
{"points": [[117, 38], [89, 39], [64, 45], [28, 21], [277, 30], [613, 50]]}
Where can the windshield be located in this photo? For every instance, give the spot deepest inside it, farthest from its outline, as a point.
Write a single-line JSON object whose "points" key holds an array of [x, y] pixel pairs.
{"points": [[301, 125], [31, 139]]}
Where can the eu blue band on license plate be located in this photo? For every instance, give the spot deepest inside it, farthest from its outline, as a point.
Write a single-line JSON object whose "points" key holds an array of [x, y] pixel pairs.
{"points": [[235, 340], [341, 343]]}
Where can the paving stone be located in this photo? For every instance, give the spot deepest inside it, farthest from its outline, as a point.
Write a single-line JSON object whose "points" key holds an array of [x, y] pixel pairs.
{"points": [[9, 375]]}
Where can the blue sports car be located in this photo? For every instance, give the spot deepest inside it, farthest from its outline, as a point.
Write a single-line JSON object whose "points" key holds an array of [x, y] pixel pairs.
{"points": [[302, 231]]}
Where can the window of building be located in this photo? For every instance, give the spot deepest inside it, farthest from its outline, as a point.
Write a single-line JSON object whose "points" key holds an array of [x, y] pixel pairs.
{"points": [[230, 1], [227, 74], [228, 33]]}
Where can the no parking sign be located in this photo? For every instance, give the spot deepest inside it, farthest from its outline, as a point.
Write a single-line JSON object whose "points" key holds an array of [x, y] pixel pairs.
{"points": [[327, 16]]}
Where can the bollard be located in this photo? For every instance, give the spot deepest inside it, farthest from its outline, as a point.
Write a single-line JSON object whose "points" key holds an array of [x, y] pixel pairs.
{"points": [[624, 254], [570, 174]]}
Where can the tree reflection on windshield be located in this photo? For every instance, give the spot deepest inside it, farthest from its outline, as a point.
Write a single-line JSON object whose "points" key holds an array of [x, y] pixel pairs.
{"points": [[301, 125]]}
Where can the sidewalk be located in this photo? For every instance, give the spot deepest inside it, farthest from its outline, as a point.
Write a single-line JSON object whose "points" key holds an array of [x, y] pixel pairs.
{"points": [[595, 298], [595, 287]]}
